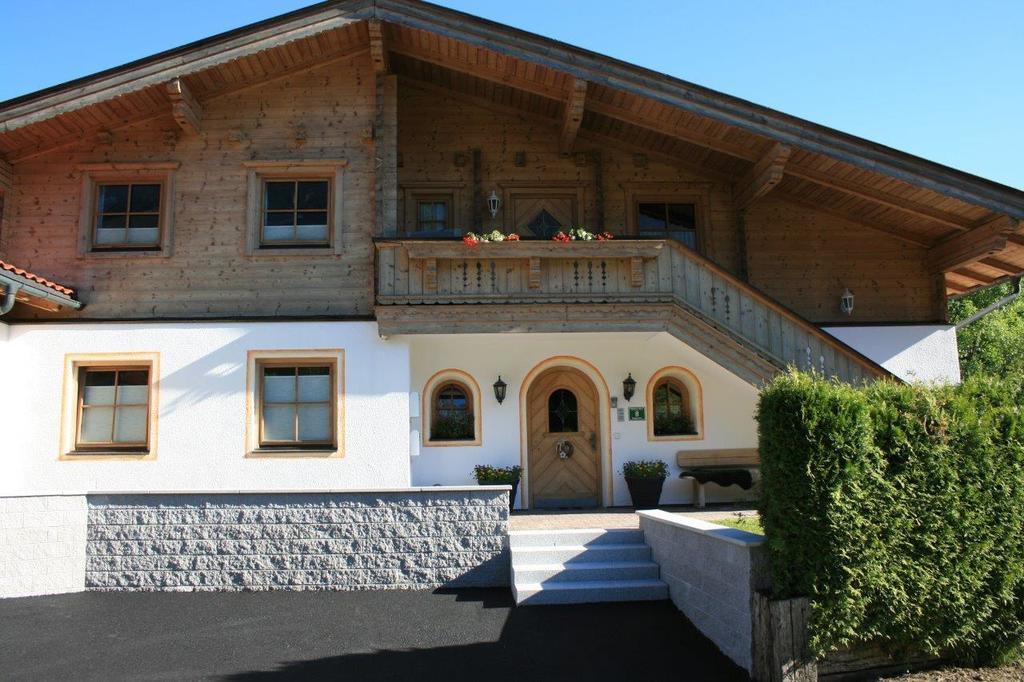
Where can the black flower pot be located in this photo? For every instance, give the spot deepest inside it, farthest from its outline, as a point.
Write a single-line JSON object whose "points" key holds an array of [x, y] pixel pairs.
{"points": [[646, 492], [511, 494]]}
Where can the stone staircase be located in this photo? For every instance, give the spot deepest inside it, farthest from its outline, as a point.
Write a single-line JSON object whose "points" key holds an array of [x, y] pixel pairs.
{"points": [[581, 566]]}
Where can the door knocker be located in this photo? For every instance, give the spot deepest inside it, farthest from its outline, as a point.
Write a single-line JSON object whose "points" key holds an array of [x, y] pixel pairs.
{"points": [[564, 449]]}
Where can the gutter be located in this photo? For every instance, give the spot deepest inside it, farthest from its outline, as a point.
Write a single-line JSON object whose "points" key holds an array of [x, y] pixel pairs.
{"points": [[15, 284], [1001, 303]]}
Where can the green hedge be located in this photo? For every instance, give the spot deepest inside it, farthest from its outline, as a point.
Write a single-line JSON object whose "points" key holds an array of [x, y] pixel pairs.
{"points": [[899, 510]]}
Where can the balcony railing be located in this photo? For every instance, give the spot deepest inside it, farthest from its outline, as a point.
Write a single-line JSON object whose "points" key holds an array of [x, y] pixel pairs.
{"points": [[621, 271]]}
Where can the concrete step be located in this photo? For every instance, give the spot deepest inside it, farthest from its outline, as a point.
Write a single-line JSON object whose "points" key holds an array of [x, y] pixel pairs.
{"points": [[560, 554], [582, 536], [576, 571], [589, 591]]}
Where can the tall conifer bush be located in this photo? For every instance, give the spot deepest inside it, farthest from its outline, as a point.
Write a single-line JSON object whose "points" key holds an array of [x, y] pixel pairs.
{"points": [[899, 510]]}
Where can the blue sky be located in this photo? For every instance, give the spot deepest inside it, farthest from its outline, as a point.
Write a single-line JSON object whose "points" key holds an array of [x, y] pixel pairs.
{"points": [[943, 79]]}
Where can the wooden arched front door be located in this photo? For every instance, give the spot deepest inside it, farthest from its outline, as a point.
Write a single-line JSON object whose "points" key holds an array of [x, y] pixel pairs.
{"points": [[564, 440]]}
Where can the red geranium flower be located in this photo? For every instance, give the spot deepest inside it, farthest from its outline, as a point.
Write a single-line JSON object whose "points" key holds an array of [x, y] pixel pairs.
{"points": [[470, 239], [562, 237], [605, 236], [512, 237]]}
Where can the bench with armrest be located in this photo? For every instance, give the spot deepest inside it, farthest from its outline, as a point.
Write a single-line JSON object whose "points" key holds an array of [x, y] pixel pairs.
{"points": [[722, 467]]}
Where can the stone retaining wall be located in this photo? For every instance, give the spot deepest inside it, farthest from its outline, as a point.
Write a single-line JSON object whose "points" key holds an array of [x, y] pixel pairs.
{"points": [[414, 539], [712, 574], [42, 545]]}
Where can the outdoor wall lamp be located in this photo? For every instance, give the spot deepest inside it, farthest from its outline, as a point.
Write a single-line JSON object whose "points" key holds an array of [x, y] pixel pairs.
{"points": [[499, 390], [628, 386], [493, 203], [846, 302]]}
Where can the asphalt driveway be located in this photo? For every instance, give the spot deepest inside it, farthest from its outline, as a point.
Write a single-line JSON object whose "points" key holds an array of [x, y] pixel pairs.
{"points": [[470, 634]]}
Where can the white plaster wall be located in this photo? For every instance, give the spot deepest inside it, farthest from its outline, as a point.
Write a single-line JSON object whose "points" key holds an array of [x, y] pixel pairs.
{"points": [[42, 544], [729, 402], [925, 352], [201, 430]]}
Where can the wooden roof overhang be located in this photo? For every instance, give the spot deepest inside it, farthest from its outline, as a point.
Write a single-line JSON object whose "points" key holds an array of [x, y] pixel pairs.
{"points": [[970, 226]]}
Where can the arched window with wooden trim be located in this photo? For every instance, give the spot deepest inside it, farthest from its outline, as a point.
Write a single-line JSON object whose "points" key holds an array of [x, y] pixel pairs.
{"points": [[674, 406], [452, 413], [671, 408]]}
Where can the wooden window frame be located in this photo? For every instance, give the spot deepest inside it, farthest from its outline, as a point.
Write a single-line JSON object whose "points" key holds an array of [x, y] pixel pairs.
{"points": [[258, 173], [295, 444], [128, 173], [296, 243], [75, 366], [414, 192], [430, 388], [695, 393], [434, 408], [446, 199], [696, 193], [128, 246], [111, 445], [334, 359]]}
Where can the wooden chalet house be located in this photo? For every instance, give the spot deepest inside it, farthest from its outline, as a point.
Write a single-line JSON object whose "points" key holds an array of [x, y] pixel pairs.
{"points": [[239, 264]]}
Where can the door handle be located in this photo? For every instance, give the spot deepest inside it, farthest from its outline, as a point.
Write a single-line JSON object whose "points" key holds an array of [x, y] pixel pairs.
{"points": [[593, 440]]}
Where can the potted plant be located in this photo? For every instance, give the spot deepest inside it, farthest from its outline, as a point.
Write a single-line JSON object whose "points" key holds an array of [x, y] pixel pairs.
{"points": [[645, 479], [488, 475]]}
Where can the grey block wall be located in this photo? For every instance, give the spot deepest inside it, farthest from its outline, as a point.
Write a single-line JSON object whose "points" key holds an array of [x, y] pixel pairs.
{"points": [[42, 545], [712, 573], [416, 539]]}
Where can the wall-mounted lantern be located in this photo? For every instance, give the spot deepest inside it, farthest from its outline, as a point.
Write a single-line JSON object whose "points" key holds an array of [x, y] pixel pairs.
{"points": [[493, 203], [499, 390], [628, 387], [846, 302]]}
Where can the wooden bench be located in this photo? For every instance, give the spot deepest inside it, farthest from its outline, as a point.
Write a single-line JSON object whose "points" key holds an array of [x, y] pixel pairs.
{"points": [[723, 467]]}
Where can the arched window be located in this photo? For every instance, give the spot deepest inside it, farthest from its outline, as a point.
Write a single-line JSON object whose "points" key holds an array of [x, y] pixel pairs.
{"points": [[671, 407], [452, 413], [563, 416]]}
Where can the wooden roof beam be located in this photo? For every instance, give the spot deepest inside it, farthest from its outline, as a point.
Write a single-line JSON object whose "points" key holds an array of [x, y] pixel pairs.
{"points": [[976, 276], [184, 107], [879, 197], [1002, 266], [763, 177], [966, 248], [378, 48], [482, 70], [572, 116]]}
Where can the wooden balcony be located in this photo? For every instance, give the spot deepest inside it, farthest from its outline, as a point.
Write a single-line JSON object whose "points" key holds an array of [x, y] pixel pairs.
{"points": [[618, 285]]}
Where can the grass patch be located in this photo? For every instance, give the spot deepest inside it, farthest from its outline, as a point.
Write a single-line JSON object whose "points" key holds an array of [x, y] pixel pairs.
{"points": [[750, 523]]}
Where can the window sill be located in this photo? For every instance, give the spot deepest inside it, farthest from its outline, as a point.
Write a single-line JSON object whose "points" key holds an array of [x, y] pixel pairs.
{"points": [[131, 455], [294, 453], [126, 253], [301, 251], [682, 437], [452, 443]]}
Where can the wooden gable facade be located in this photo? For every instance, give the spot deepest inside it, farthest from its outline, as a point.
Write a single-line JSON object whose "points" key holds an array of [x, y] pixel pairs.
{"points": [[394, 100]]}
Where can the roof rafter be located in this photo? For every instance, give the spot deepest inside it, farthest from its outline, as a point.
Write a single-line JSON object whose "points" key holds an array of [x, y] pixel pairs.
{"points": [[378, 47], [965, 248], [187, 112], [763, 177], [572, 116]]}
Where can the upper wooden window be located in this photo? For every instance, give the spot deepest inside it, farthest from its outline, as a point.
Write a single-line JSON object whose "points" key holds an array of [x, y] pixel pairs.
{"points": [[127, 216], [671, 409], [434, 215], [563, 412], [668, 220], [452, 413], [113, 408], [297, 404], [296, 212]]}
